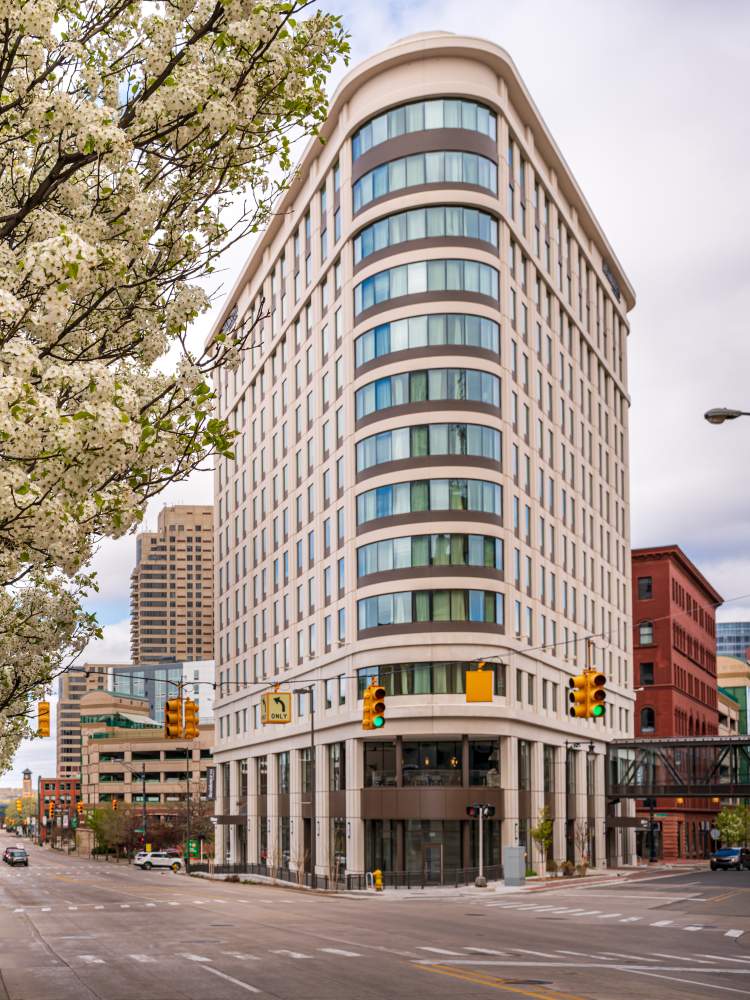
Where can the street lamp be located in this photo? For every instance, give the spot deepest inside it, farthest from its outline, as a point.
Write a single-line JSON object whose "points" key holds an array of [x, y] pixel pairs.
{"points": [[721, 413]]}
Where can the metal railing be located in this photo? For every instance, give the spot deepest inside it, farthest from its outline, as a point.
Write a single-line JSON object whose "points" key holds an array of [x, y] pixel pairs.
{"points": [[359, 881]]}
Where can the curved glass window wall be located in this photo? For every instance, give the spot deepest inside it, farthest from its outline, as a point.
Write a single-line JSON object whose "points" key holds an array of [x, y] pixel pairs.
{"points": [[433, 384], [431, 606], [430, 494], [426, 276], [425, 223], [440, 167], [428, 439], [425, 678], [430, 550], [427, 331], [422, 116]]}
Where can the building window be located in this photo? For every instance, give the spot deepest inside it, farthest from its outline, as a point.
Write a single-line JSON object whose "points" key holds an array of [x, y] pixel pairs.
{"points": [[422, 116], [430, 550], [648, 720], [451, 275], [282, 761], [442, 167], [425, 223], [645, 588], [432, 606], [456, 384], [646, 633], [400, 679], [430, 494], [428, 439], [647, 673], [427, 331], [336, 767]]}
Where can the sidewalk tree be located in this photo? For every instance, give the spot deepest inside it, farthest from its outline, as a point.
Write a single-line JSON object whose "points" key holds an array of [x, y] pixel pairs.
{"points": [[542, 833], [139, 141], [733, 823]]}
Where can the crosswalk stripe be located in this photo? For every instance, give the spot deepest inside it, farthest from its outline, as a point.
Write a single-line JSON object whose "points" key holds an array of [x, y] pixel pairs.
{"points": [[124, 906], [629, 920], [194, 958], [662, 923], [440, 951], [241, 956], [589, 913], [681, 958], [340, 951], [608, 916], [541, 954], [486, 951], [72, 907], [726, 958], [91, 960], [98, 907], [694, 927], [290, 954], [142, 958], [734, 934], [578, 954], [231, 979], [45, 909], [638, 958], [150, 904], [18, 910]]}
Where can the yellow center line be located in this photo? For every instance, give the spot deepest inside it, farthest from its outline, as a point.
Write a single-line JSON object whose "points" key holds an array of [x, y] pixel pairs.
{"points": [[483, 979], [725, 895]]}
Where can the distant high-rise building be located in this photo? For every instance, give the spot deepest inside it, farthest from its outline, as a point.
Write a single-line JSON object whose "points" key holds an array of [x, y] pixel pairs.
{"points": [[157, 682], [74, 684], [172, 587], [733, 639]]}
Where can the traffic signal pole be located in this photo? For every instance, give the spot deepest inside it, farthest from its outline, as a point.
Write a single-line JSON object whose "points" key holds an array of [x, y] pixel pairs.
{"points": [[481, 880]]}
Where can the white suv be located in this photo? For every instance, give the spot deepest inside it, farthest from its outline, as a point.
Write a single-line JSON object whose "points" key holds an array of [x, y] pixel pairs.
{"points": [[158, 859]]}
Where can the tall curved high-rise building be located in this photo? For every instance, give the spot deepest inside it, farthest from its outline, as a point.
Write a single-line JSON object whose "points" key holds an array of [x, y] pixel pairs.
{"points": [[432, 470]]}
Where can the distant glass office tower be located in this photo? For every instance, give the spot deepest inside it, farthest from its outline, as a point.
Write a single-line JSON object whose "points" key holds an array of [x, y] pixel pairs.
{"points": [[158, 681], [733, 639], [432, 469]]}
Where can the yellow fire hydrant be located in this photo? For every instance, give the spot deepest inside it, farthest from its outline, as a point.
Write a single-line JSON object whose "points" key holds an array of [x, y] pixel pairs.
{"points": [[377, 878]]}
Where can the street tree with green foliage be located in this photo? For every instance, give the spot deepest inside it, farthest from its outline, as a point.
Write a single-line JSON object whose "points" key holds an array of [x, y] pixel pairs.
{"points": [[139, 140], [733, 823], [542, 833]]}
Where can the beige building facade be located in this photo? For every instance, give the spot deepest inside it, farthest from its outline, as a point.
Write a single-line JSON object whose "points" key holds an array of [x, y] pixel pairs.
{"points": [[73, 685], [432, 469], [126, 756], [171, 588]]}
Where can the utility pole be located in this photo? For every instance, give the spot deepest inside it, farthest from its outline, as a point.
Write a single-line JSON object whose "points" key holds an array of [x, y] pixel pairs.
{"points": [[145, 814]]}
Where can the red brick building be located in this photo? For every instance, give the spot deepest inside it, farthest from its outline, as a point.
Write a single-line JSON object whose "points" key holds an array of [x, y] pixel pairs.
{"points": [[674, 649], [63, 793]]}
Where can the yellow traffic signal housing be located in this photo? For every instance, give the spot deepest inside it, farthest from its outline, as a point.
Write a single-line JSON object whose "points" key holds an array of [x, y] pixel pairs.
{"points": [[373, 708], [114, 805], [19, 806], [578, 697], [596, 693], [192, 727], [51, 809], [79, 807], [43, 719], [173, 719]]}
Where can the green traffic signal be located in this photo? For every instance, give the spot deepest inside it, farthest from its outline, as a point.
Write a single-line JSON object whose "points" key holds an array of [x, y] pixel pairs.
{"points": [[597, 711], [378, 722]]}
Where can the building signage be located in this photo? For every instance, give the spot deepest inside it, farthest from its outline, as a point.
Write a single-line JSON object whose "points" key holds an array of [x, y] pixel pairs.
{"points": [[276, 707], [211, 783]]}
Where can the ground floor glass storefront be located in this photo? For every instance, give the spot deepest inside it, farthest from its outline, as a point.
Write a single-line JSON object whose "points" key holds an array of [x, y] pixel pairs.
{"points": [[429, 848]]}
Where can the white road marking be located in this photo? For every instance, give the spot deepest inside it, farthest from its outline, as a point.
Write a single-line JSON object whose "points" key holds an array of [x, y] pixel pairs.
{"points": [[694, 927], [542, 954], [638, 958], [578, 954], [231, 979], [72, 907], [734, 934], [692, 982], [290, 954], [589, 913], [629, 920], [150, 904], [194, 958], [606, 916], [542, 909], [18, 910], [91, 960], [241, 956], [124, 906], [487, 951], [172, 904], [45, 909], [340, 951], [142, 958], [681, 958], [440, 951], [98, 907], [726, 958], [662, 923], [199, 902]]}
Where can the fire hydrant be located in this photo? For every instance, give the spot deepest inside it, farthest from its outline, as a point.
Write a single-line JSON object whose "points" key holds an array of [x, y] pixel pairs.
{"points": [[377, 878]]}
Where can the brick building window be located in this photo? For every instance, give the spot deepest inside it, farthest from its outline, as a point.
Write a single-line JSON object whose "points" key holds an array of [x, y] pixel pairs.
{"points": [[645, 588], [648, 720], [646, 633], [647, 673]]}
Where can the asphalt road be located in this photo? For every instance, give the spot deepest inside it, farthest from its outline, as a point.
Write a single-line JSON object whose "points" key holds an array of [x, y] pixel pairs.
{"points": [[77, 929]]}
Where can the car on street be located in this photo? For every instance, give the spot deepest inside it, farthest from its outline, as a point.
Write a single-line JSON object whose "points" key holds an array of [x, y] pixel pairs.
{"points": [[158, 859], [730, 857], [16, 856]]}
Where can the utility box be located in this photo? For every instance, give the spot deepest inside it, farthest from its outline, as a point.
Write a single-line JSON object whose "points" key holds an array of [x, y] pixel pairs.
{"points": [[514, 865]]}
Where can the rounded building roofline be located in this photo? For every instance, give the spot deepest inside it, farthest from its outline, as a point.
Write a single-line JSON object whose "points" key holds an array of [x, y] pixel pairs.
{"points": [[427, 45]]}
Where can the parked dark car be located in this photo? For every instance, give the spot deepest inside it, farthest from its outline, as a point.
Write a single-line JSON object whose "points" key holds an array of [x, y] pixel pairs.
{"points": [[16, 856], [730, 857]]}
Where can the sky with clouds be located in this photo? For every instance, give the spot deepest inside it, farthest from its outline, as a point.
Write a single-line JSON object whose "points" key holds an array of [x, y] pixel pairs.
{"points": [[647, 101]]}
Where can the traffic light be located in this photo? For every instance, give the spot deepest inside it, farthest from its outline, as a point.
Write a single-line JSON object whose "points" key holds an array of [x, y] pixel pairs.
{"points": [[43, 719], [114, 805], [79, 807], [587, 695], [173, 719], [373, 708], [192, 728], [19, 806], [577, 697], [51, 809]]}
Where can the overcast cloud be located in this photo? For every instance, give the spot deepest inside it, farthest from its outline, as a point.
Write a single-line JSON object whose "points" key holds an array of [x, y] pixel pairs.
{"points": [[647, 101]]}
